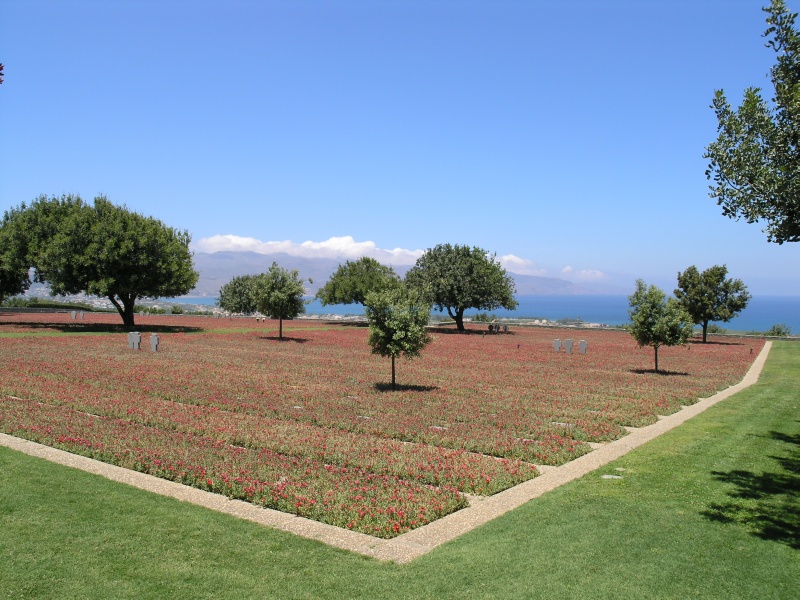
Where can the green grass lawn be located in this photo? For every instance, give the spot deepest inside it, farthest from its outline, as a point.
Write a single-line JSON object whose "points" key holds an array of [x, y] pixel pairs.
{"points": [[709, 510]]}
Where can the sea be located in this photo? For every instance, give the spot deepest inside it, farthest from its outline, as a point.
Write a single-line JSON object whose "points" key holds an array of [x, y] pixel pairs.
{"points": [[761, 313]]}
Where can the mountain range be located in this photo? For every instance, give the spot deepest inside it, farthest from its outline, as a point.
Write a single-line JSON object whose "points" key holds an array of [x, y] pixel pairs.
{"points": [[218, 268]]}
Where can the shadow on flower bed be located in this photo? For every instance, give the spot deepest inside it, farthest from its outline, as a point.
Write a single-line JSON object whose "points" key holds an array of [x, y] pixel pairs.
{"points": [[467, 331], [387, 387], [275, 338], [660, 372], [767, 504], [78, 327]]}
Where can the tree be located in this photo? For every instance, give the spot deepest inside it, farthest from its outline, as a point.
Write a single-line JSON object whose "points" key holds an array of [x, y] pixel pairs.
{"points": [[278, 293], [397, 319], [754, 161], [14, 278], [103, 250], [236, 296], [657, 321], [456, 278], [708, 296], [352, 281]]}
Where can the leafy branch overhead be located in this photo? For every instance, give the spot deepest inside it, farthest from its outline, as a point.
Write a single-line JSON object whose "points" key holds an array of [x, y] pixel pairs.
{"points": [[754, 162]]}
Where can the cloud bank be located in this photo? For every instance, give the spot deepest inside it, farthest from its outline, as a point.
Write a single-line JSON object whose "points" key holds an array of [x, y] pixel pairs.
{"points": [[521, 266], [583, 275], [346, 248], [336, 248]]}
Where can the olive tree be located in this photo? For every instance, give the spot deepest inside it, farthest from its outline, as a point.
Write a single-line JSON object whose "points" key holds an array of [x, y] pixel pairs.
{"points": [[709, 296], [397, 319], [236, 296], [754, 161], [657, 321], [352, 281], [455, 278], [103, 250]]}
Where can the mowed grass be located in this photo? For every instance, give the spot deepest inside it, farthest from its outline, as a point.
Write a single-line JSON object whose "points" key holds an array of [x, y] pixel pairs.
{"points": [[709, 510]]}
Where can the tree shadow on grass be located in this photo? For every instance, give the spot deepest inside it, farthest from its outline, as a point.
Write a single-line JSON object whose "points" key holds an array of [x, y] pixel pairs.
{"points": [[659, 372], [767, 504], [387, 387], [275, 338], [467, 331], [78, 327], [710, 342]]}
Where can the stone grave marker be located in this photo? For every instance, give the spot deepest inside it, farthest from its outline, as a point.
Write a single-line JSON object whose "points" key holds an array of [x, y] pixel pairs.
{"points": [[583, 346], [568, 346], [134, 340], [154, 342], [73, 315], [557, 345]]}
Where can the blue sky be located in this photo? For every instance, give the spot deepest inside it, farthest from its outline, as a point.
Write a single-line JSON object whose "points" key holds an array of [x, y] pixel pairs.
{"points": [[566, 137]]}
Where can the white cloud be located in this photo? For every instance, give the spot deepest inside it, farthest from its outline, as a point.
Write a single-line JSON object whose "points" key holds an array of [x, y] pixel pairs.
{"points": [[344, 247], [583, 275], [521, 266]]}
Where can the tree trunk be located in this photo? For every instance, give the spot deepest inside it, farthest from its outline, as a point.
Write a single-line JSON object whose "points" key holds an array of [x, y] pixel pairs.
{"points": [[280, 328], [125, 309], [459, 317], [393, 380], [656, 349], [705, 330]]}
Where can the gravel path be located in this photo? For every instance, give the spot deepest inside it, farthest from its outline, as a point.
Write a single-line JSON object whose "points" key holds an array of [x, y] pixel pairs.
{"points": [[415, 543]]}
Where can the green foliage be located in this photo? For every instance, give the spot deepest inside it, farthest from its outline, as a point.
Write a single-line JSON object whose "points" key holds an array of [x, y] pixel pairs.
{"points": [[455, 278], [709, 296], [237, 296], [754, 162], [176, 309], [102, 250], [278, 293], [483, 317], [397, 319], [780, 330], [14, 269], [352, 281], [657, 321]]}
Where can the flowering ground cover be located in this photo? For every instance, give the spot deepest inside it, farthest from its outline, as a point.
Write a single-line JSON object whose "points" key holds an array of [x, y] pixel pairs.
{"points": [[309, 426]]}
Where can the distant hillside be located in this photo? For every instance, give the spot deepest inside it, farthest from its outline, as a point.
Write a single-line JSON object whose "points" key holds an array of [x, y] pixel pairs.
{"points": [[218, 268]]}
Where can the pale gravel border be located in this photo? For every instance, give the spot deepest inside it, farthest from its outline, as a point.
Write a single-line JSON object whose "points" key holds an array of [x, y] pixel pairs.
{"points": [[417, 542]]}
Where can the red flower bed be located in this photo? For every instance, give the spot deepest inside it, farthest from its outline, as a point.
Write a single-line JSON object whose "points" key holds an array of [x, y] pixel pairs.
{"points": [[473, 414]]}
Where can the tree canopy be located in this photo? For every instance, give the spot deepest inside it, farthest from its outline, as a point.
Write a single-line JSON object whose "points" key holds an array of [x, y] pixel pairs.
{"points": [[352, 281], [278, 293], [455, 278], [709, 296], [397, 319], [100, 249], [657, 321], [754, 162], [237, 296]]}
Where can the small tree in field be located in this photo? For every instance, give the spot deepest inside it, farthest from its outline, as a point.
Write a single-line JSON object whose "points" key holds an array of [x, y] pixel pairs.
{"points": [[352, 281], [708, 296], [236, 296], [455, 278], [279, 294], [657, 321], [397, 319]]}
